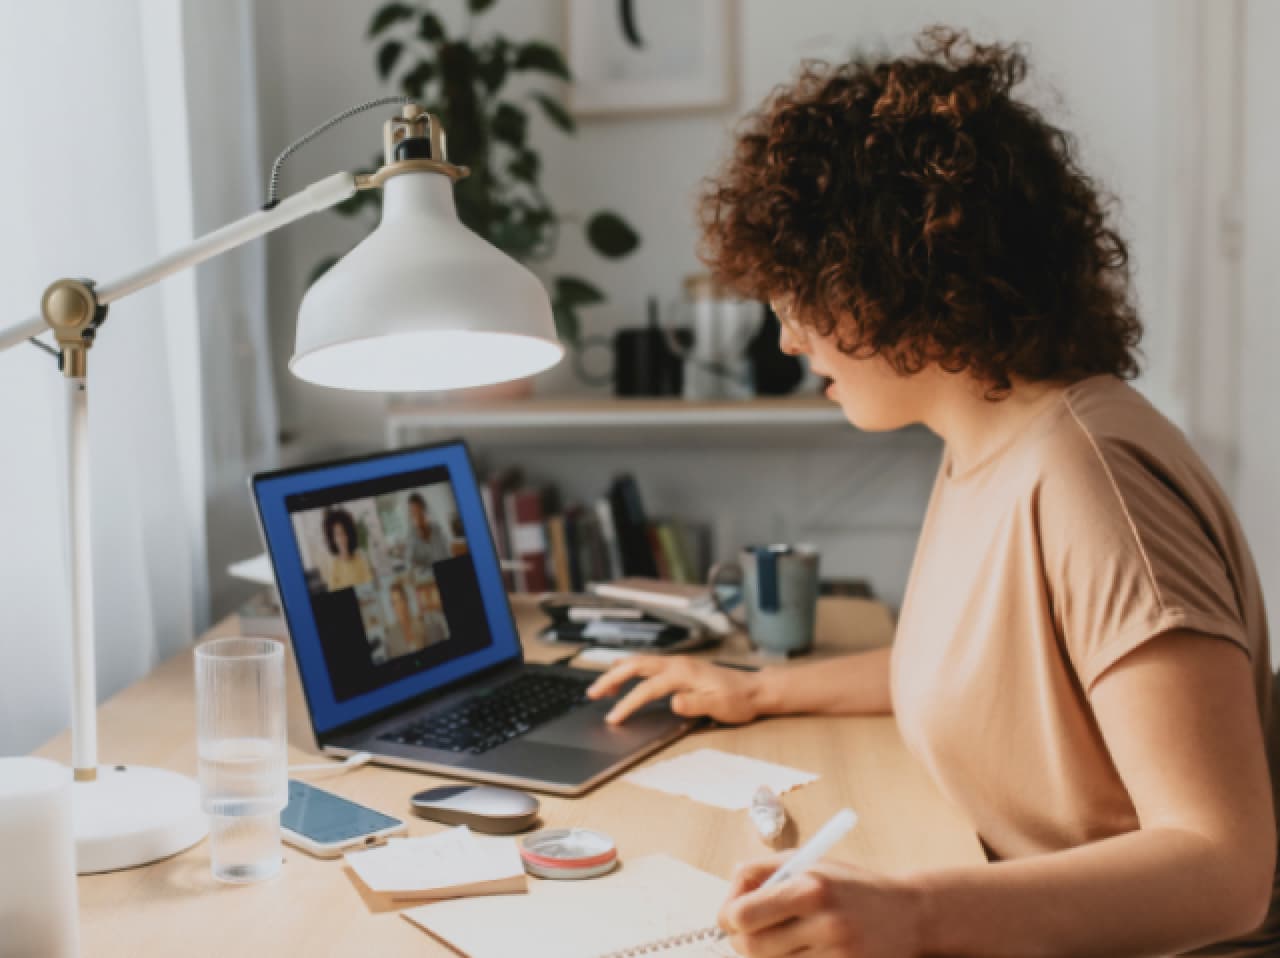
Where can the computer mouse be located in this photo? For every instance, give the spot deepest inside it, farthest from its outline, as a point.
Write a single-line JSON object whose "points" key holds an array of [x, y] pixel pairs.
{"points": [[486, 808]]}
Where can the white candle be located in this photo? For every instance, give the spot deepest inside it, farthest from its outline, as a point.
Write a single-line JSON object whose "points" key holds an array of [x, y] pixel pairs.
{"points": [[37, 861]]}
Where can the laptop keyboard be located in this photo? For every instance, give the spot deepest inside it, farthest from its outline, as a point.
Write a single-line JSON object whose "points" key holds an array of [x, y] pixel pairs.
{"points": [[487, 720]]}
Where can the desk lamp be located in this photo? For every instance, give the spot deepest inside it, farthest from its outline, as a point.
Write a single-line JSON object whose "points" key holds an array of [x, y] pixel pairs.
{"points": [[421, 304]]}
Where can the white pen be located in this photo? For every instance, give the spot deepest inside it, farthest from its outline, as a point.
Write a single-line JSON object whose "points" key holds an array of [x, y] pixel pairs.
{"points": [[811, 852]]}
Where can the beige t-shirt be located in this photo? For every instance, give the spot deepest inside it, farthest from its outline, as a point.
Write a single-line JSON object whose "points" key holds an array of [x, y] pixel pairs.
{"points": [[1093, 529]]}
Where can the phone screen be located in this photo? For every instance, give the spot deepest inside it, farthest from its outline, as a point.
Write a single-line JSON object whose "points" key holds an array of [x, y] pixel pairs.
{"points": [[325, 818]]}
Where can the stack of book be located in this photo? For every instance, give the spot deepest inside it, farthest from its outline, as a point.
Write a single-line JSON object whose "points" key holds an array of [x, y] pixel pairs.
{"points": [[549, 546]]}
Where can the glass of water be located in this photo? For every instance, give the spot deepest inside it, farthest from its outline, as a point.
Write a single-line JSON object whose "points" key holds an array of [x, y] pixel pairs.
{"points": [[240, 735]]}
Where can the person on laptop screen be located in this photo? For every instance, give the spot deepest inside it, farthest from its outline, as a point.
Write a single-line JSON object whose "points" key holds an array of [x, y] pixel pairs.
{"points": [[1081, 661], [348, 566], [427, 543]]}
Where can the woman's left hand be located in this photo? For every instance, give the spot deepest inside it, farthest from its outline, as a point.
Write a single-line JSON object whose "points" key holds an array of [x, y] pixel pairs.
{"points": [[832, 911]]}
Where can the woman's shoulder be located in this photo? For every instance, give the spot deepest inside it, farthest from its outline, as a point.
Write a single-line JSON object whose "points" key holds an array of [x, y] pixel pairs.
{"points": [[1109, 438]]}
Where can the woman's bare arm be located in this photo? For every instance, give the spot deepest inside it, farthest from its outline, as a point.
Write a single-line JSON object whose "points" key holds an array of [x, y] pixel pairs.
{"points": [[1181, 721], [851, 685]]}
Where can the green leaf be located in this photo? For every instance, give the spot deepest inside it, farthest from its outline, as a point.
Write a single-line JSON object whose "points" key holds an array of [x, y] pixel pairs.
{"points": [[610, 235], [568, 328], [321, 268], [514, 238], [414, 83], [431, 29], [526, 166], [536, 55], [479, 6], [492, 64], [388, 54], [389, 15], [555, 111], [576, 292], [510, 125]]}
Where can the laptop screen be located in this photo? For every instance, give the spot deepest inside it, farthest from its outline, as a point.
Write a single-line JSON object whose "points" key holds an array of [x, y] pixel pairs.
{"points": [[388, 577]]}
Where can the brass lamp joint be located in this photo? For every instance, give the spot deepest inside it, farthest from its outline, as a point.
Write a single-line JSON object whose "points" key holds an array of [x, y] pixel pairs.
{"points": [[71, 309], [416, 124]]}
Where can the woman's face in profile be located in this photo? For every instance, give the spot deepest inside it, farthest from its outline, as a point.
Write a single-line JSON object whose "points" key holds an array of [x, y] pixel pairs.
{"points": [[872, 395], [340, 538]]}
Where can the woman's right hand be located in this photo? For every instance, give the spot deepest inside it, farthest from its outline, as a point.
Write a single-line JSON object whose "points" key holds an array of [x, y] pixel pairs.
{"points": [[696, 686]]}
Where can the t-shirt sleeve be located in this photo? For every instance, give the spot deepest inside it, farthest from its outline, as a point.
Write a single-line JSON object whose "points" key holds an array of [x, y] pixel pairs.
{"points": [[1128, 557]]}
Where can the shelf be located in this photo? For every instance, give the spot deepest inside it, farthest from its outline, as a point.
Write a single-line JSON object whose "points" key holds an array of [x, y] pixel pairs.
{"points": [[786, 420]]}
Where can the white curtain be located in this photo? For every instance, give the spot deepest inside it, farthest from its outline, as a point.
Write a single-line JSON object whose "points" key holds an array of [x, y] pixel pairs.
{"points": [[107, 127], [241, 422]]}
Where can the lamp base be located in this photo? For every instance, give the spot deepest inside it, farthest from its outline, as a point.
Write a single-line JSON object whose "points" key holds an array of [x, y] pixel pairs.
{"points": [[132, 815]]}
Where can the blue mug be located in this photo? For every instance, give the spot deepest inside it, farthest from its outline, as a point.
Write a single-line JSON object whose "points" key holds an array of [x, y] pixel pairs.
{"points": [[779, 593]]}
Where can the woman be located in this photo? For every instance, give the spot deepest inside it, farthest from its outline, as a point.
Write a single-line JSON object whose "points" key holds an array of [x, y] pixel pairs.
{"points": [[1081, 661], [348, 566]]}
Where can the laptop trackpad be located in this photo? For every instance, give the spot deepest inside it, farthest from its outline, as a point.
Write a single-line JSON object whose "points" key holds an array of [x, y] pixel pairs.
{"points": [[586, 728]]}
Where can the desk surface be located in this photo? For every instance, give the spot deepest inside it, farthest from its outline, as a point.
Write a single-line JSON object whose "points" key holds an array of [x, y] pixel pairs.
{"points": [[176, 907]]}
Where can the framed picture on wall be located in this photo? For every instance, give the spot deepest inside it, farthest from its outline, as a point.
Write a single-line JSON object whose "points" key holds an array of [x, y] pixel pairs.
{"points": [[649, 56]]}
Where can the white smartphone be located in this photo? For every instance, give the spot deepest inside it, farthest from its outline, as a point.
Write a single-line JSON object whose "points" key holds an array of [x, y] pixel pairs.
{"points": [[326, 825]]}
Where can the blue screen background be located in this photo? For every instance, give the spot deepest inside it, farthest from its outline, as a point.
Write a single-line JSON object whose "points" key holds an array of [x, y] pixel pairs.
{"points": [[327, 713]]}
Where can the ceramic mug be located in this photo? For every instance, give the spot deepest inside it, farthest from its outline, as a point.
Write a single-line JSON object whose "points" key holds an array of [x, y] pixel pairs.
{"points": [[779, 589]]}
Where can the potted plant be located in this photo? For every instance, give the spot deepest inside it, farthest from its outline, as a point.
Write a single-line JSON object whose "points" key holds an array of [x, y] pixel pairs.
{"points": [[463, 80]]}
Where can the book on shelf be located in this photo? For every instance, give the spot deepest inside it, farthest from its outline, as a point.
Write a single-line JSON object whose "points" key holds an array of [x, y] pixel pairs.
{"points": [[631, 525], [493, 494], [558, 550], [547, 545], [527, 537], [672, 552], [609, 532]]}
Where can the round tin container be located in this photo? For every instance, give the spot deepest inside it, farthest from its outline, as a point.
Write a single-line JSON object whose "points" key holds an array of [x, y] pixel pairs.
{"points": [[568, 853]]}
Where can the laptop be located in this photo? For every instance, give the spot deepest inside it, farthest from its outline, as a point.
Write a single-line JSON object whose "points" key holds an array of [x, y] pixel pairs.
{"points": [[404, 637]]}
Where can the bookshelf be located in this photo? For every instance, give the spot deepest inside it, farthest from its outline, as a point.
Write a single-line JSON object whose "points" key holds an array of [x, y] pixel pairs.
{"points": [[617, 421]]}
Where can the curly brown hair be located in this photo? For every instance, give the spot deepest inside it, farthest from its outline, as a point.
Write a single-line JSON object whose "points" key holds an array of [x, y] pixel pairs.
{"points": [[916, 210]]}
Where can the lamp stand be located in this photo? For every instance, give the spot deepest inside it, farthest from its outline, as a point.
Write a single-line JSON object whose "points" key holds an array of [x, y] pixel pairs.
{"points": [[127, 815], [123, 815]]}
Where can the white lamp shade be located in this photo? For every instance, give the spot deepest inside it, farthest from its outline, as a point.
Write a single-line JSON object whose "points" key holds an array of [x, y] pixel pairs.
{"points": [[423, 303]]}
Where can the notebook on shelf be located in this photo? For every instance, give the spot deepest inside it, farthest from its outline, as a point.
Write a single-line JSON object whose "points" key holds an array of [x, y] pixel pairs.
{"points": [[692, 601], [650, 906]]}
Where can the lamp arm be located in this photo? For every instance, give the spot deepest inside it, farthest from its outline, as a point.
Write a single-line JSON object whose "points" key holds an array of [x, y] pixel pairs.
{"points": [[321, 195]]}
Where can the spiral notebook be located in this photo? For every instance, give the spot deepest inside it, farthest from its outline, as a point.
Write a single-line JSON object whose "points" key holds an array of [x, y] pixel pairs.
{"points": [[650, 906]]}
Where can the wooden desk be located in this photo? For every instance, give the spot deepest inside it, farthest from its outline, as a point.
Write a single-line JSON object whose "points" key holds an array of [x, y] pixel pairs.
{"points": [[176, 908]]}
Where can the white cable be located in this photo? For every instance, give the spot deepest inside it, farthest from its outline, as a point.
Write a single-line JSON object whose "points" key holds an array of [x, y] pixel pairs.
{"points": [[346, 765]]}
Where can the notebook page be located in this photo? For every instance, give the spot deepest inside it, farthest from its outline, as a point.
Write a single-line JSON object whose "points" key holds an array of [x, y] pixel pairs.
{"points": [[645, 900]]}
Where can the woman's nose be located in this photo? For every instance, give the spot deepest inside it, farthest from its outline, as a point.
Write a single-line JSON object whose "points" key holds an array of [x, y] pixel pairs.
{"points": [[789, 342]]}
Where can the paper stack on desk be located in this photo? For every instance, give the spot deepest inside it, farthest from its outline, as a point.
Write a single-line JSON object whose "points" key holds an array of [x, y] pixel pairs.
{"points": [[451, 864], [718, 778]]}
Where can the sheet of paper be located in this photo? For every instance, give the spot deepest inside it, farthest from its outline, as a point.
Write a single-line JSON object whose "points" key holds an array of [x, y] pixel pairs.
{"points": [[718, 778], [257, 569], [645, 900], [602, 656], [449, 859]]}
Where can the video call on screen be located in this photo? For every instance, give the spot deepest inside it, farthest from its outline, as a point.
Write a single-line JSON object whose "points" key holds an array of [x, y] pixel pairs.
{"points": [[391, 581]]}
